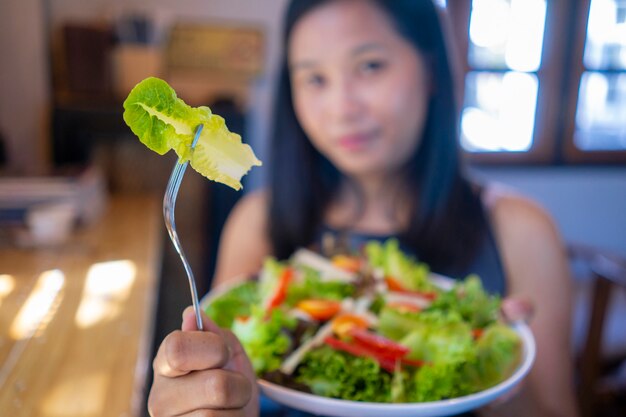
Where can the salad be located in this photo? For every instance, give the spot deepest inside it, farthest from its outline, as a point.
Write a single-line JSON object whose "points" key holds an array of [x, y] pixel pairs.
{"points": [[375, 326]]}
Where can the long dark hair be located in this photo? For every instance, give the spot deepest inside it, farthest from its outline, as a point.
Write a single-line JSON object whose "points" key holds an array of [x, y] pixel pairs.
{"points": [[447, 221]]}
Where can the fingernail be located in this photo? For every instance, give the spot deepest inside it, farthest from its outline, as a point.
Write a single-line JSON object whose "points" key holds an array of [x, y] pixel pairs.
{"points": [[187, 312], [229, 352]]}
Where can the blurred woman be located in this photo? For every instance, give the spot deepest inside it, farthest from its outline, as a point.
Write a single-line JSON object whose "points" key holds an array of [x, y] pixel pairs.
{"points": [[365, 146]]}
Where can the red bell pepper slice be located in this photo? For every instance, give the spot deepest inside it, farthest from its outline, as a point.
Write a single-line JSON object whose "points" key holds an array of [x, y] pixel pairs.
{"points": [[413, 362], [377, 343], [477, 333], [386, 363], [280, 294], [395, 285]]}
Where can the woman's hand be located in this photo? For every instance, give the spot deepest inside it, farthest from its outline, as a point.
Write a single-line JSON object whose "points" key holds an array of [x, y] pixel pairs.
{"points": [[513, 309], [517, 309], [202, 374]]}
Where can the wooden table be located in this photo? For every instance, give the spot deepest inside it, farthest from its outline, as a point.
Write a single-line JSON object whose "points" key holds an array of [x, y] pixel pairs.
{"points": [[76, 321]]}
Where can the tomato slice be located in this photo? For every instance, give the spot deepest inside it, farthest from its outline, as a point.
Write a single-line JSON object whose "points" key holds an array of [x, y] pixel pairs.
{"points": [[320, 309], [477, 333], [377, 343], [343, 323], [281, 290]]}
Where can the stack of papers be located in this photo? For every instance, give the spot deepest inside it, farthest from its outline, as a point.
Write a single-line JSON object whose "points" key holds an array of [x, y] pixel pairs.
{"points": [[85, 191]]}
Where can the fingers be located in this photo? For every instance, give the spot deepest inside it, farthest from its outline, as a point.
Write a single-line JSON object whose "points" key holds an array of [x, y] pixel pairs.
{"points": [[183, 352], [515, 398], [517, 309], [202, 373], [189, 321], [237, 358], [216, 389]]}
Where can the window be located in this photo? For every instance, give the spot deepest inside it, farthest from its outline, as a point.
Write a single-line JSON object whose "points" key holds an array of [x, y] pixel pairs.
{"points": [[597, 130], [530, 93]]}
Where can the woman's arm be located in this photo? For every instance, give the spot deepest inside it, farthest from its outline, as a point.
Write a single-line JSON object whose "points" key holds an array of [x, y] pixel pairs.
{"points": [[536, 267], [244, 242]]}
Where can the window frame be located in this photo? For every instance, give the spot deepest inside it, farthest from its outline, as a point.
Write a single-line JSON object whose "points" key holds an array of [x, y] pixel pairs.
{"points": [[559, 77], [572, 153]]}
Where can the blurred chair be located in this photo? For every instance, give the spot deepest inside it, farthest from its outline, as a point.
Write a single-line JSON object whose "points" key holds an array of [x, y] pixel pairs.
{"points": [[86, 62], [608, 273]]}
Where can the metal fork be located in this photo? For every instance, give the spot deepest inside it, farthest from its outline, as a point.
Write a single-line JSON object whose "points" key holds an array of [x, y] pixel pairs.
{"points": [[169, 205]]}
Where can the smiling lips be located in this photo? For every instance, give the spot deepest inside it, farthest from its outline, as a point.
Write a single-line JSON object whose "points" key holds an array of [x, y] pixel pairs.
{"points": [[356, 142]]}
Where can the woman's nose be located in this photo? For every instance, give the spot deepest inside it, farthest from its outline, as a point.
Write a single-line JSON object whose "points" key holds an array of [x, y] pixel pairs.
{"points": [[345, 101]]}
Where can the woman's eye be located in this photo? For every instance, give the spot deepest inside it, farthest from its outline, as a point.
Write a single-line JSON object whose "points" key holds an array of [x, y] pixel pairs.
{"points": [[314, 80], [372, 66]]}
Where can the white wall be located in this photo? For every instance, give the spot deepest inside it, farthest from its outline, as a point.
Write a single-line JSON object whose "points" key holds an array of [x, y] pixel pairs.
{"points": [[587, 203], [24, 83], [266, 14]]}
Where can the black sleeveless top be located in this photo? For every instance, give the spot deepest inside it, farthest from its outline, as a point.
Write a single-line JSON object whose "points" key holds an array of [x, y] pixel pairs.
{"points": [[486, 264]]}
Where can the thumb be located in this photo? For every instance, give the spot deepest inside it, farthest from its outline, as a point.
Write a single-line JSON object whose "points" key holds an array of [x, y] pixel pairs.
{"points": [[238, 360], [189, 322], [517, 309]]}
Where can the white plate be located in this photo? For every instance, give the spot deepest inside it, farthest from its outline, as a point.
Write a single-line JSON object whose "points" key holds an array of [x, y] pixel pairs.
{"points": [[343, 408], [325, 406]]}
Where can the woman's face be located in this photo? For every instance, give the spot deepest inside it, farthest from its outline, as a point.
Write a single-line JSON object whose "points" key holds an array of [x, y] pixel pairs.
{"points": [[360, 90]]}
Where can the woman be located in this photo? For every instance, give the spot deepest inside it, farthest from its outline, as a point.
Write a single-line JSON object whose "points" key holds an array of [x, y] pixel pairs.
{"points": [[365, 146]]}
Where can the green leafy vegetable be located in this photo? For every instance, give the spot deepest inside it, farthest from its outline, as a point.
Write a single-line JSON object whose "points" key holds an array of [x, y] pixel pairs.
{"points": [[439, 381], [471, 301], [235, 303], [337, 374], [312, 286], [162, 121], [413, 275], [446, 343], [498, 350], [263, 339]]}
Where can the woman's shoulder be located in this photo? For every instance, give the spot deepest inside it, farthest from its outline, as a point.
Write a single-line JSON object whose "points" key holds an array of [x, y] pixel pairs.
{"points": [[527, 237], [254, 203], [511, 210], [249, 215], [244, 242]]}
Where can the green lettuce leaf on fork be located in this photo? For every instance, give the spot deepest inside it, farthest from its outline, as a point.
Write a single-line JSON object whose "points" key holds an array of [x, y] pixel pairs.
{"points": [[162, 121]]}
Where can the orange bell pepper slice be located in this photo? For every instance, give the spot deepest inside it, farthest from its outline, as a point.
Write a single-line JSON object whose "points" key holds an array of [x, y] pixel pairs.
{"points": [[320, 309], [343, 323], [347, 263]]}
